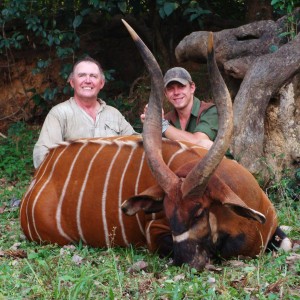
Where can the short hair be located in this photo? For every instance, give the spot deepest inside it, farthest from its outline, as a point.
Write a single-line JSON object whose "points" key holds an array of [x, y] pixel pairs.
{"points": [[87, 59]]}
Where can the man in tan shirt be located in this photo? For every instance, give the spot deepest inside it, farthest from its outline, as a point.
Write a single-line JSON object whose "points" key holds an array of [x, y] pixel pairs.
{"points": [[82, 116]]}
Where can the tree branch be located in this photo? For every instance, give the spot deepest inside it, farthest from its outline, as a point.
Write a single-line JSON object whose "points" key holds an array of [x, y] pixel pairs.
{"points": [[262, 81]]}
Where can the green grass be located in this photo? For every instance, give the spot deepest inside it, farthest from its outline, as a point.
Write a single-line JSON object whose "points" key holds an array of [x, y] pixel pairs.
{"points": [[32, 271]]}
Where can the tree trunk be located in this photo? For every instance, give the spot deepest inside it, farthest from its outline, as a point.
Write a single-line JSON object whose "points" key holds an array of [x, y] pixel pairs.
{"points": [[262, 81], [266, 63], [236, 49]]}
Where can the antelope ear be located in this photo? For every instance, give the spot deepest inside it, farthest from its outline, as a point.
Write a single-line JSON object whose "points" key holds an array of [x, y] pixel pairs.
{"points": [[150, 201], [220, 191]]}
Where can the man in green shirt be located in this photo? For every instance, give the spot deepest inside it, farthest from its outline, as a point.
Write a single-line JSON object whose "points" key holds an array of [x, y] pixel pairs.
{"points": [[190, 119]]}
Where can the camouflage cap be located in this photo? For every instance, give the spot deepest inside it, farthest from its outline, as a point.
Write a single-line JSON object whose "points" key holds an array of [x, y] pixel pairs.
{"points": [[177, 74]]}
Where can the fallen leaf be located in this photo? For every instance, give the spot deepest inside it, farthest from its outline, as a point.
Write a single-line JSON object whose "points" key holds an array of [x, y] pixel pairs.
{"points": [[145, 286], [14, 253], [77, 259], [138, 266], [212, 268], [66, 249], [275, 287], [179, 277], [15, 246], [250, 290], [295, 245], [292, 258], [8, 228], [71, 247], [235, 263], [14, 202], [211, 280], [22, 237], [3, 180], [2, 209], [62, 252], [241, 282]]}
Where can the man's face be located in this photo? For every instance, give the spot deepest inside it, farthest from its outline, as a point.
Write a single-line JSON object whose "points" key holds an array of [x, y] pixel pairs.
{"points": [[179, 95], [87, 80]]}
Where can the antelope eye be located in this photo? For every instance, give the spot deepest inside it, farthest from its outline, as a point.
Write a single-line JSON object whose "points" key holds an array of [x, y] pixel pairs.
{"points": [[198, 213]]}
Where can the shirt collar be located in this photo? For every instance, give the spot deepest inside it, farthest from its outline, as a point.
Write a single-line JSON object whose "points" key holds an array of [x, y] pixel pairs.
{"points": [[195, 107], [102, 103]]}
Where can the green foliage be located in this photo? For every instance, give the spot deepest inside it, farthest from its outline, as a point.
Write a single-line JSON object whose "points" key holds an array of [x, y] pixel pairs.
{"points": [[288, 188], [190, 9], [16, 153], [48, 25], [195, 12], [287, 7], [166, 8]]}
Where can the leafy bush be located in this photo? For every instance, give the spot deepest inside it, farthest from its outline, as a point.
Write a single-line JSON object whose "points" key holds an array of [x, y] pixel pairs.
{"points": [[287, 188], [287, 7], [16, 153], [54, 31]]}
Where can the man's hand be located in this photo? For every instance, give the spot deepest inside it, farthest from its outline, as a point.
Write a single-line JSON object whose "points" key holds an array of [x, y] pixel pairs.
{"points": [[143, 115]]}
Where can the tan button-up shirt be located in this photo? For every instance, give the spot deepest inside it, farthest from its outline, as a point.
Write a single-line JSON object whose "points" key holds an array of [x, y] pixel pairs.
{"points": [[67, 121]]}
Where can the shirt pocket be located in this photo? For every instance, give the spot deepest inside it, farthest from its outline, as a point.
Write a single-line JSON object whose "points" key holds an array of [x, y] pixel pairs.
{"points": [[112, 128]]}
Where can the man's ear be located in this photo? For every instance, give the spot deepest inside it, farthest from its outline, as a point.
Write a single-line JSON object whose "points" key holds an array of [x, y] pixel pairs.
{"points": [[193, 87], [102, 84], [150, 201], [71, 82]]}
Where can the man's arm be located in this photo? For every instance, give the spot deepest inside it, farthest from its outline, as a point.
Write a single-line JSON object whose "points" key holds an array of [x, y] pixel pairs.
{"points": [[50, 135], [203, 134], [209, 124], [125, 127], [198, 138]]}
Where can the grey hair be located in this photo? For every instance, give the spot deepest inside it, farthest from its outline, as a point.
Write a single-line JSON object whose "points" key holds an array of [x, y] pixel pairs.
{"points": [[87, 59]]}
